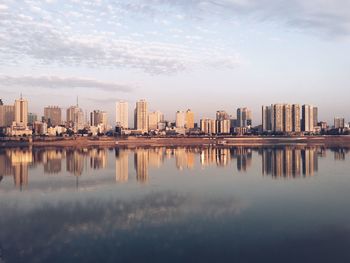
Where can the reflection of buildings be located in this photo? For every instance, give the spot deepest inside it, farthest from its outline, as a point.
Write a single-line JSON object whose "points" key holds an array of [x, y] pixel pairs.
{"points": [[141, 162], [156, 157], [19, 161], [98, 158], [243, 157], [289, 162], [75, 162], [121, 165], [52, 160]]}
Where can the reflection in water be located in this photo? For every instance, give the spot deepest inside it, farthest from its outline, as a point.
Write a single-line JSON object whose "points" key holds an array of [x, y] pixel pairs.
{"points": [[278, 162], [289, 161]]}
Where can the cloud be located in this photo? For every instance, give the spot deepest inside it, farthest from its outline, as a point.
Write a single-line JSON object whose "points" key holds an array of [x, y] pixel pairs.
{"points": [[50, 41], [54, 82], [323, 17]]}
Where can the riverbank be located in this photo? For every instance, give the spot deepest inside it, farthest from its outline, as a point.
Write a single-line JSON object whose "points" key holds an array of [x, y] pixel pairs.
{"points": [[176, 141]]}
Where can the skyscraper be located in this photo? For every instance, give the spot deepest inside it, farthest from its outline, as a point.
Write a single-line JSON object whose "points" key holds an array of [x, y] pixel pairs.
{"points": [[141, 116], [266, 118], [339, 123], [277, 118], [307, 118], [7, 115], [315, 116], [122, 114], [244, 117], [154, 118], [222, 115], [189, 119], [296, 117], [97, 118], [53, 115], [287, 118], [21, 112], [208, 126], [180, 119], [75, 118]]}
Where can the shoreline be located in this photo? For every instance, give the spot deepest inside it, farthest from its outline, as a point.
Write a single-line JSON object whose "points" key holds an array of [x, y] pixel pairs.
{"points": [[336, 140]]}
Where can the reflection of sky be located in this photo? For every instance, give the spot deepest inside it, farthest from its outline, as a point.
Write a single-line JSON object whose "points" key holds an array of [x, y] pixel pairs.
{"points": [[214, 212]]}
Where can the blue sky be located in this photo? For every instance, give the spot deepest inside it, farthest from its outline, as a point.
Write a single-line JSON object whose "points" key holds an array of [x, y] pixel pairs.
{"points": [[205, 55]]}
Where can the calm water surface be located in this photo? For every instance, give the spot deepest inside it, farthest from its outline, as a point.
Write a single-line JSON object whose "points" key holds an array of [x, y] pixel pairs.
{"points": [[240, 204]]}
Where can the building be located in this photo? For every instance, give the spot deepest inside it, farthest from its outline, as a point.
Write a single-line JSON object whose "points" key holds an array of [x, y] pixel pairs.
{"points": [[154, 120], [281, 118], [53, 116], [277, 118], [208, 126], [244, 117], [40, 128], [189, 123], [7, 115], [296, 118], [307, 123], [141, 116], [287, 118], [122, 114], [223, 126], [180, 119], [32, 117], [99, 118], [75, 118], [222, 115], [21, 112], [315, 116], [266, 118], [339, 123]]}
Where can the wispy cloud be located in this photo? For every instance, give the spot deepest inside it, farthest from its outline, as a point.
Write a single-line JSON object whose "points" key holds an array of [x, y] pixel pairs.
{"points": [[54, 82]]}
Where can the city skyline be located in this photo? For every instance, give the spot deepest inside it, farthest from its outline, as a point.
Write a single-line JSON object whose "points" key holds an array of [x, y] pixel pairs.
{"points": [[113, 117], [202, 55]]}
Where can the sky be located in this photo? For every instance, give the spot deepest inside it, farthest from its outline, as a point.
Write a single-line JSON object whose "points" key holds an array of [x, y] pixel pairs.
{"points": [[204, 55]]}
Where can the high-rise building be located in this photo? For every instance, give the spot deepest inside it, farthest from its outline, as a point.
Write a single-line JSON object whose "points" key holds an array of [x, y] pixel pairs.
{"points": [[21, 112], [7, 115], [189, 119], [180, 119], [296, 117], [277, 118], [53, 116], [222, 115], [208, 126], [287, 118], [154, 118], [75, 118], [244, 117], [32, 117], [122, 114], [281, 118], [99, 118], [307, 118], [339, 123], [266, 118], [223, 126], [315, 116], [141, 116]]}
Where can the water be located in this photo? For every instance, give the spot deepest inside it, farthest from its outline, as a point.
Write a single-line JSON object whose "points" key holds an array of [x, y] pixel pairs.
{"points": [[239, 204]]}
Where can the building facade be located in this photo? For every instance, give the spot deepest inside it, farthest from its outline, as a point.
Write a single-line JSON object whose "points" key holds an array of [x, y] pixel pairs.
{"points": [[141, 116], [122, 114], [53, 116]]}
